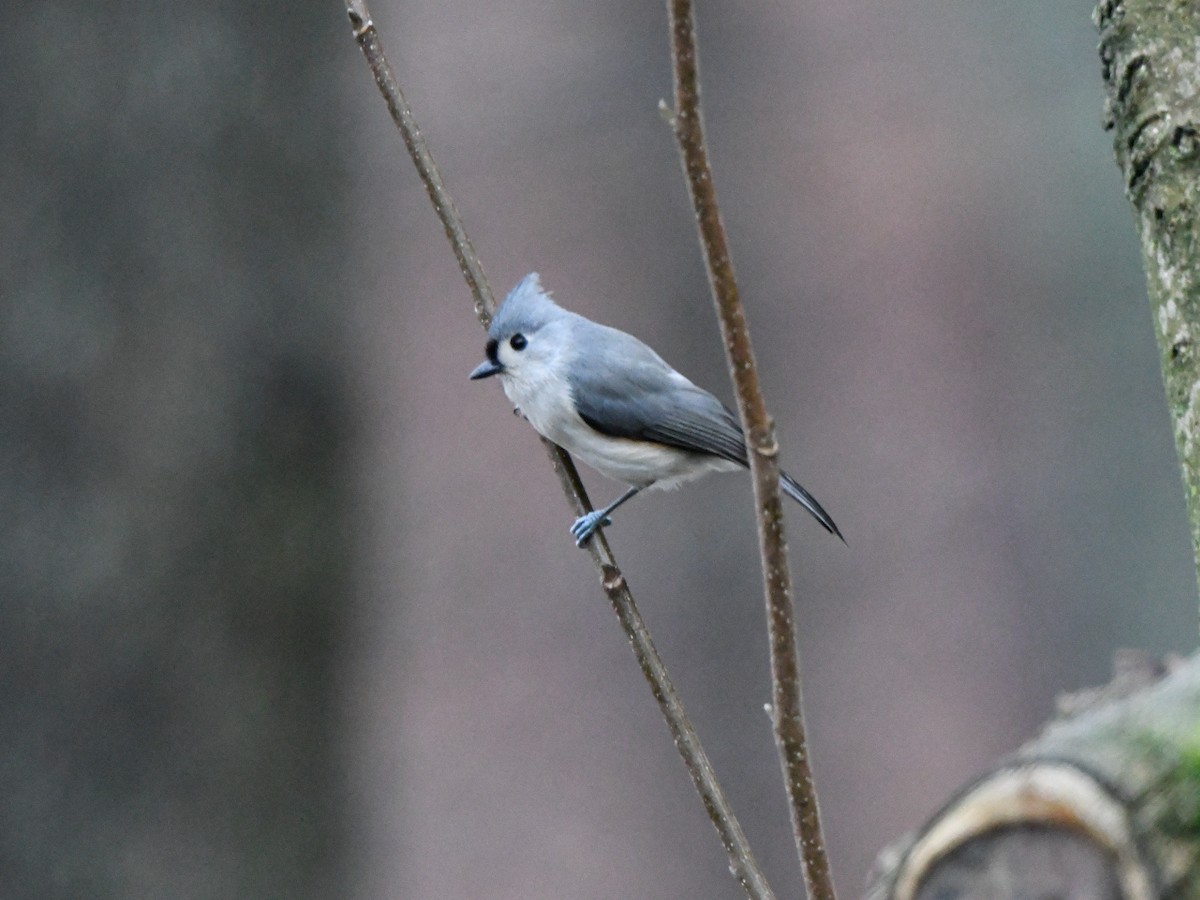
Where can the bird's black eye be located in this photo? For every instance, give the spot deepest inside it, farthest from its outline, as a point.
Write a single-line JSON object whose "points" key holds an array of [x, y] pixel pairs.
{"points": [[518, 342]]}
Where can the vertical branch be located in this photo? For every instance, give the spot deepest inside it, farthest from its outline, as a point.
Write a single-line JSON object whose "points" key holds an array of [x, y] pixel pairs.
{"points": [[742, 863], [1152, 80], [787, 710]]}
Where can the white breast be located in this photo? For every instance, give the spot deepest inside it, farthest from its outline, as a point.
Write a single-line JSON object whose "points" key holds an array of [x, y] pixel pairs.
{"points": [[548, 406]]}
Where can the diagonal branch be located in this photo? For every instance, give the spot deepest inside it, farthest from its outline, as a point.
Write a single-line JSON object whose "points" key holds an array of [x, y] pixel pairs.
{"points": [[743, 865], [787, 711]]}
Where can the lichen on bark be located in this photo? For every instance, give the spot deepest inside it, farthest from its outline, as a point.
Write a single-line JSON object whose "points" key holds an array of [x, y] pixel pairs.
{"points": [[1150, 52]]}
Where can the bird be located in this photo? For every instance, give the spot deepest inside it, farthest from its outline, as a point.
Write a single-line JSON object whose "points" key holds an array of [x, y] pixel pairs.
{"points": [[608, 399]]}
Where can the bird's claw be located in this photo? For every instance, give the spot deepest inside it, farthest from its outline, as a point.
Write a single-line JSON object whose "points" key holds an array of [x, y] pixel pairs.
{"points": [[585, 526]]}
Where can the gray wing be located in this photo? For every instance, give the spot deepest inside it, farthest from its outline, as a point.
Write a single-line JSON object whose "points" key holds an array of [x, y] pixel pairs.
{"points": [[622, 388]]}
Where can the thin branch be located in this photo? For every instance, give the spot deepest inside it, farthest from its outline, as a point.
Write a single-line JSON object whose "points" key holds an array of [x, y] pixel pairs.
{"points": [[742, 862], [372, 48], [787, 710]]}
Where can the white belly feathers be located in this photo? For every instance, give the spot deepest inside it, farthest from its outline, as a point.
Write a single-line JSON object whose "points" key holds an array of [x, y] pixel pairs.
{"points": [[548, 406]]}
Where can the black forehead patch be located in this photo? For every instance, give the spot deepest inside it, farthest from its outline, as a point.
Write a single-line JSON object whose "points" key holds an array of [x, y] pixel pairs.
{"points": [[491, 348]]}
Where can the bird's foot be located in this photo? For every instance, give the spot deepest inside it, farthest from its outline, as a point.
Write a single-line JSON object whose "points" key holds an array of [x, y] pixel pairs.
{"points": [[585, 526]]}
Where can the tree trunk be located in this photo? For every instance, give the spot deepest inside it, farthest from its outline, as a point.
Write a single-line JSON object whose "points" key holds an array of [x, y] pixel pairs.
{"points": [[1104, 804], [1151, 74]]}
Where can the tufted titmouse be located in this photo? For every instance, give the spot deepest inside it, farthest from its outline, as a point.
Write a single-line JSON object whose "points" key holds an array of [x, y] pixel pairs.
{"points": [[607, 398]]}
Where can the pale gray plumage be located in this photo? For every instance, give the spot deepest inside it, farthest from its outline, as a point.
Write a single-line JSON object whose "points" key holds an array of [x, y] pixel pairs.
{"points": [[606, 397]]}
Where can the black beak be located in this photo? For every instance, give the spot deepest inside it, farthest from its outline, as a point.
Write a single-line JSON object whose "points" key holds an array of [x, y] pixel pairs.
{"points": [[486, 369]]}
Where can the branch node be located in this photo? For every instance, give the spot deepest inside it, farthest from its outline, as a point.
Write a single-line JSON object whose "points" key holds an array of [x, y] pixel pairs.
{"points": [[762, 439], [359, 25], [611, 578]]}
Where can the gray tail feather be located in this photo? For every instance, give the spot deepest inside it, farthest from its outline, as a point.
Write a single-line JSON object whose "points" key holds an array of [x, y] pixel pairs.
{"points": [[792, 488]]}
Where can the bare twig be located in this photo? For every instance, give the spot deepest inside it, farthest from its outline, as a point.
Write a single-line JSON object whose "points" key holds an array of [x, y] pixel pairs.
{"points": [[787, 711], [742, 862], [443, 205]]}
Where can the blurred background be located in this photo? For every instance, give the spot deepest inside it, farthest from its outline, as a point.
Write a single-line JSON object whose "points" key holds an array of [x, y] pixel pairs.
{"points": [[290, 607]]}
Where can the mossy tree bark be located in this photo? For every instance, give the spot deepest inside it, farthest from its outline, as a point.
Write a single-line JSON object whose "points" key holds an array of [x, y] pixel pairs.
{"points": [[1104, 804], [1151, 66]]}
